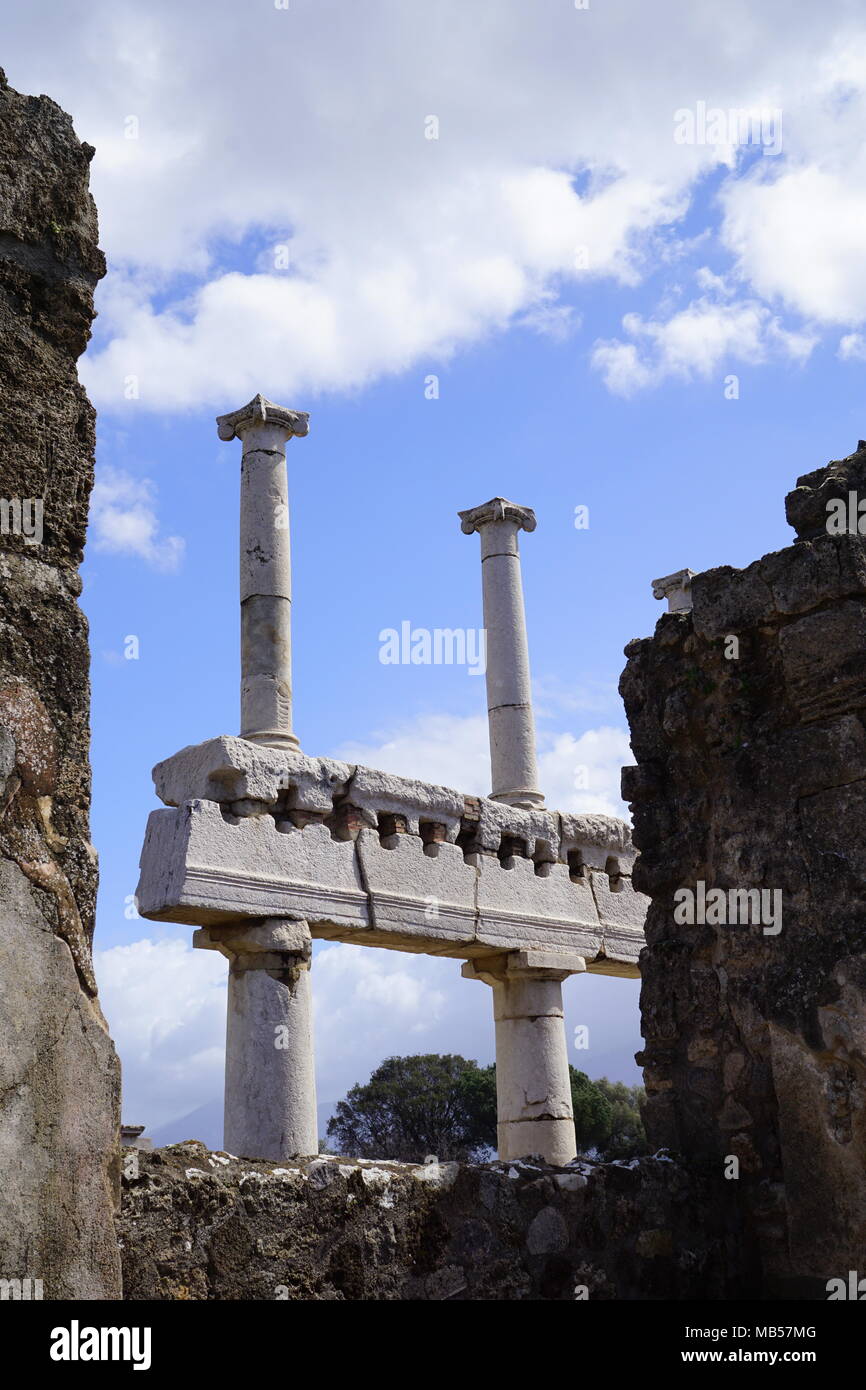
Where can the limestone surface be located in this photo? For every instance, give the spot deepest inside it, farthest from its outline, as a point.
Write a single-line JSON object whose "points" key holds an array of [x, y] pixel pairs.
{"points": [[59, 1076], [381, 860]]}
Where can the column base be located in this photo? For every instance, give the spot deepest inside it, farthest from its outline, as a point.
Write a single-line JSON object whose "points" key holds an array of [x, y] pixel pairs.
{"points": [[553, 1140], [272, 738]]}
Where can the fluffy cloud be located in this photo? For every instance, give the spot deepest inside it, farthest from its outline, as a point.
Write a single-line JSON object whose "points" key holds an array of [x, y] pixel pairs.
{"points": [[166, 1007], [123, 520], [695, 342], [275, 215], [577, 773]]}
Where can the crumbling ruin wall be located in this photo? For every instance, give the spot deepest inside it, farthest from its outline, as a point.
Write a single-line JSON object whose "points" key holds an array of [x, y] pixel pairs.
{"points": [[59, 1076], [751, 773], [200, 1225]]}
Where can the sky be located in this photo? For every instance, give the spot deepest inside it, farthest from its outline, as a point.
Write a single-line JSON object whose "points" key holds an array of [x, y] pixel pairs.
{"points": [[603, 256]]}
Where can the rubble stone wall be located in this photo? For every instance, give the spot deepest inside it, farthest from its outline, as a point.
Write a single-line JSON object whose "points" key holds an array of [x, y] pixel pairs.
{"points": [[200, 1225]]}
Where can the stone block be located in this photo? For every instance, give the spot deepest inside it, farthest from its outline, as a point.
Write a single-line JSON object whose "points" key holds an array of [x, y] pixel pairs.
{"points": [[415, 894], [823, 662], [199, 867], [229, 770], [376, 792], [517, 907]]}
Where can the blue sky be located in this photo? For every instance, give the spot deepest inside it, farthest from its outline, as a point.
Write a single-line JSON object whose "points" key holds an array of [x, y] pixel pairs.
{"points": [[582, 286]]}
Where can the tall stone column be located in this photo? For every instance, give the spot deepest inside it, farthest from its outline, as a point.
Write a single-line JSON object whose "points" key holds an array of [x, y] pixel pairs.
{"points": [[509, 700], [266, 568], [270, 1086], [533, 1089]]}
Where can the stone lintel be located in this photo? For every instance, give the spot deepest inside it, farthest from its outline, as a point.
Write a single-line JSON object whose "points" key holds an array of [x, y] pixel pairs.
{"points": [[497, 509], [388, 871], [261, 411]]}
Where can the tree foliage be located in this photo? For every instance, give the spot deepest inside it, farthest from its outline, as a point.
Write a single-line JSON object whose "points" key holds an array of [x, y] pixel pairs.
{"points": [[446, 1105], [415, 1106]]}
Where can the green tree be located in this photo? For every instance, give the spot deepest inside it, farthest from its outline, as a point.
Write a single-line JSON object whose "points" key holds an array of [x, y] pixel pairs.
{"points": [[414, 1106], [592, 1112], [626, 1137]]}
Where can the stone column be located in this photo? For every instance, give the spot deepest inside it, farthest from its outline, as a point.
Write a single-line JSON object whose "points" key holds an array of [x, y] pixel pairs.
{"points": [[513, 763], [266, 568], [533, 1090], [270, 1087]]}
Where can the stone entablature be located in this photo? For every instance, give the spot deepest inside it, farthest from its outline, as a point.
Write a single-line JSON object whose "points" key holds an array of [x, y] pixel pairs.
{"points": [[366, 856]]}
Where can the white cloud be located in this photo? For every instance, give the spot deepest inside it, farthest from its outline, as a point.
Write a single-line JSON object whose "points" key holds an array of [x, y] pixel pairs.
{"points": [[694, 343], [451, 750], [369, 1003], [852, 348], [556, 136], [166, 1008], [123, 520], [577, 773], [583, 773], [549, 320]]}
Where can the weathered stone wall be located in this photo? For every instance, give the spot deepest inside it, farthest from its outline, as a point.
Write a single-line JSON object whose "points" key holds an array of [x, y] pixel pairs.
{"points": [[200, 1225], [59, 1076], [751, 773]]}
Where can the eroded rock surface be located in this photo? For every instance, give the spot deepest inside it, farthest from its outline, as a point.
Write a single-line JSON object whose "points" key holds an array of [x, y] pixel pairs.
{"points": [[201, 1225], [59, 1076], [752, 775]]}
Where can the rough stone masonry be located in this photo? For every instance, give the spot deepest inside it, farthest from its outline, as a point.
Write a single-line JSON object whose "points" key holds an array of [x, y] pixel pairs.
{"points": [[747, 719], [59, 1076]]}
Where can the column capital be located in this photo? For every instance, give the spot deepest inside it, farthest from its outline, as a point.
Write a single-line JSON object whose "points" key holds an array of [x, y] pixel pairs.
{"points": [[260, 411], [523, 965], [676, 588], [262, 945], [497, 509]]}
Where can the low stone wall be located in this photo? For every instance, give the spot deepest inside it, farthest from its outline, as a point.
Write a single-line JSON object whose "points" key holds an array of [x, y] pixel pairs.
{"points": [[201, 1225]]}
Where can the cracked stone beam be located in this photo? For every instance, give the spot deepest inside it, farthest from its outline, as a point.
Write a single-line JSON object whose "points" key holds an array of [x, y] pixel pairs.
{"points": [[265, 568], [513, 765]]}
